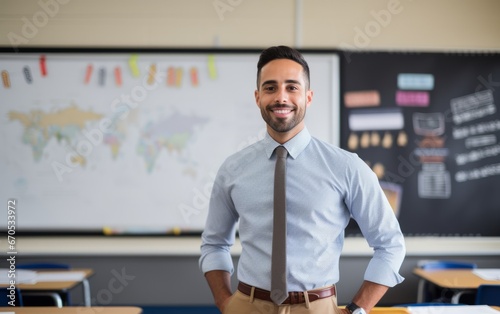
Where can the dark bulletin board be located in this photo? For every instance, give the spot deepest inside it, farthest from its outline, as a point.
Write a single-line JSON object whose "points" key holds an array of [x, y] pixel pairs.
{"points": [[429, 125]]}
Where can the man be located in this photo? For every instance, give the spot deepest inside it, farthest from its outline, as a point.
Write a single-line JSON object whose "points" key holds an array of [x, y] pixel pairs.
{"points": [[325, 186]]}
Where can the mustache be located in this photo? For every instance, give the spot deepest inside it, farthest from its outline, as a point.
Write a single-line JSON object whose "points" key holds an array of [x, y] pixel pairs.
{"points": [[279, 106]]}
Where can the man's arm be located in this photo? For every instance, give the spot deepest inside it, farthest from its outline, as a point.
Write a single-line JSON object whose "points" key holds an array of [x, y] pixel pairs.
{"points": [[368, 295], [219, 282]]}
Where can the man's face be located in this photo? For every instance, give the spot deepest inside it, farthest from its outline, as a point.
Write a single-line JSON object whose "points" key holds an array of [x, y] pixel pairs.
{"points": [[283, 97]]}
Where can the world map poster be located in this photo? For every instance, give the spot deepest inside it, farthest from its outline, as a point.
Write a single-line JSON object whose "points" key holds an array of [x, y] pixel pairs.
{"points": [[124, 142]]}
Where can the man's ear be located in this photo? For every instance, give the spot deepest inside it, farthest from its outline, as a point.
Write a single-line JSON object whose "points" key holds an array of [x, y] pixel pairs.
{"points": [[309, 97], [257, 97]]}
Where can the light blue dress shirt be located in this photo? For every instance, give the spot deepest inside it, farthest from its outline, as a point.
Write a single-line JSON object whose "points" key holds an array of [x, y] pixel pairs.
{"points": [[325, 187]]}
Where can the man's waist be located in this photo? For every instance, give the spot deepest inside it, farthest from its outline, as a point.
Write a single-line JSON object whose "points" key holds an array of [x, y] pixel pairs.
{"points": [[294, 297]]}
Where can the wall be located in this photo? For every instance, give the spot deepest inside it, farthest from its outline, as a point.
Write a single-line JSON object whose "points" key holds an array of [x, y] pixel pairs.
{"points": [[156, 280], [377, 24], [159, 271]]}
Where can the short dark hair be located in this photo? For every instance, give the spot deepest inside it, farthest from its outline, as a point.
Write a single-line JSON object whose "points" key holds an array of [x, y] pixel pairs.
{"points": [[282, 52]]}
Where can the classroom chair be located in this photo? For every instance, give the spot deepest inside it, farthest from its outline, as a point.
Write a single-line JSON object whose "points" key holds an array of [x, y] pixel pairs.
{"points": [[43, 266], [428, 292], [488, 295], [46, 298], [4, 299]]}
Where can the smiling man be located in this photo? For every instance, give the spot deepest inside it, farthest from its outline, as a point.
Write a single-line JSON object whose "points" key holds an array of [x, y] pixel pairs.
{"points": [[325, 186], [283, 98]]}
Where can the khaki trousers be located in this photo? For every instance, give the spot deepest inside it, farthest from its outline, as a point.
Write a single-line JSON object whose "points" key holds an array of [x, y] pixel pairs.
{"points": [[244, 304]]}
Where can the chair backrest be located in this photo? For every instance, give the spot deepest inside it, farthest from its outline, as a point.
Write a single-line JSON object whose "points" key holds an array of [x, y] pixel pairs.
{"points": [[5, 299], [488, 295], [423, 294], [43, 266], [447, 265]]}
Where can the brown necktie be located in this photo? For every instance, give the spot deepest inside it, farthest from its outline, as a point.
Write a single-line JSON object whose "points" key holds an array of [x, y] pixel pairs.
{"points": [[278, 268]]}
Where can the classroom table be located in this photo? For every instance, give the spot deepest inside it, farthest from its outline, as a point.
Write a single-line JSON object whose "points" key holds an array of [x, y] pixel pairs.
{"points": [[59, 286], [137, 310], [72, 310], [457, 280], [404, 310], [460, 309], [389, 310]]}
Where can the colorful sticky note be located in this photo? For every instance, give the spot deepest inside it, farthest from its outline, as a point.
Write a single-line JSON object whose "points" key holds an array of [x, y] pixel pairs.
{"points": [[416, 81], [102, 76], [118, 76], [194, 76], [43, 65], [178, 77], [376, 119], [365, 98], [152, 74], [412, 99], [27, 75], [212, 68], [88, 73], [171, 76], [5, 79], [134, 68]]}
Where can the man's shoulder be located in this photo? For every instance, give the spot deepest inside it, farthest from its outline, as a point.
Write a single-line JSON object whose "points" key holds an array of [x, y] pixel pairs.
{"points": [[332, 149], [249, 151]]}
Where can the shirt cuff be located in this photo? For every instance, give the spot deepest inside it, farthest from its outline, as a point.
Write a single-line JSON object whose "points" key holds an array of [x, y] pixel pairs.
{"points": [[217, 261], [380, 272]]}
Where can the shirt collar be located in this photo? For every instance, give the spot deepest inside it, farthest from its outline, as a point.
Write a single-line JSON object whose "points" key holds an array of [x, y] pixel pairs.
{"points": [[294, 146]]}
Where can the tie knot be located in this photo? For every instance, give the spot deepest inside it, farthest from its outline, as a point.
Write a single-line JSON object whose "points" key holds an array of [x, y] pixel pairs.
{"points": [[281, 152]]}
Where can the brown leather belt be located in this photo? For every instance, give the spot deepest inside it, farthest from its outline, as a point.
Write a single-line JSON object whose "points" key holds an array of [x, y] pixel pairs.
{"points": [[295, 297]]}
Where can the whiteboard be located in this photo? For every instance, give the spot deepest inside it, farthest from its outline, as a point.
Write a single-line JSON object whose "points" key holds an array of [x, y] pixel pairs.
{"points": [[130, 142]]}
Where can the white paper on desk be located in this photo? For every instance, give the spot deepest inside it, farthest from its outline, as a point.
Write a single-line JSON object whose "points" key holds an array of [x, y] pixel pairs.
{"points": [[487, 273], [60, 276], [459, 309], [21, 276]]}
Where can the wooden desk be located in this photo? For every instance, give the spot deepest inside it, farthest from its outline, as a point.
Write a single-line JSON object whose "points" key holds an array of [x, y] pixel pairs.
{"points": [[457, 280], [389, 310], [469, 309], [72, 310], [43, 286], [386, 310]]}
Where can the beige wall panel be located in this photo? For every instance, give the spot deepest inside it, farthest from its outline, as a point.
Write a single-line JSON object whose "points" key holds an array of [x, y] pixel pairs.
{"points": [[413, 24], [191, 23], [421, 25]]}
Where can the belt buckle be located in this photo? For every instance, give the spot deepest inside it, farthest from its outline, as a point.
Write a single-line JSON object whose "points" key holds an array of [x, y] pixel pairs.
{"points": [[296, 297]]}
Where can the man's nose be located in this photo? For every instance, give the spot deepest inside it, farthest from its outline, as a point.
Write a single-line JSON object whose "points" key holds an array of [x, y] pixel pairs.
{"points": [[281, 96]]}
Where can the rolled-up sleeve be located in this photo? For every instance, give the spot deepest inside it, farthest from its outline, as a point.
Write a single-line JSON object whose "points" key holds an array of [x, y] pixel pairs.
{"points": [[380, 227], [384, 265], [215, 257], [220, 229]]}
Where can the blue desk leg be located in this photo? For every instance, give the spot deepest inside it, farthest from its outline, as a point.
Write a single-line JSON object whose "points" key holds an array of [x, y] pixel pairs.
{"points": [[86, 292]]}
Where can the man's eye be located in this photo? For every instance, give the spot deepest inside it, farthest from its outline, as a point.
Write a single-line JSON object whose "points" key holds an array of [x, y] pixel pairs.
{"points": [[269, 88]]}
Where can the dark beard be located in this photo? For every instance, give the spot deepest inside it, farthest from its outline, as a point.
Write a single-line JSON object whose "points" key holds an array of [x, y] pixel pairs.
{"points": [[281, 125]]}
